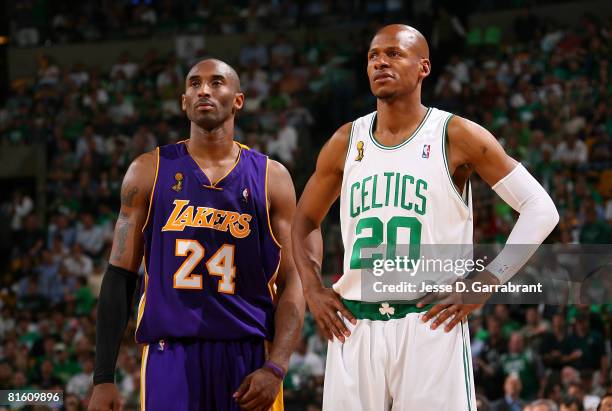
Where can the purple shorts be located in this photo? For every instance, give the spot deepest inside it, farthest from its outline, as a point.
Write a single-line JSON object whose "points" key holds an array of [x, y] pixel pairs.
{"points": [[198, 375]]}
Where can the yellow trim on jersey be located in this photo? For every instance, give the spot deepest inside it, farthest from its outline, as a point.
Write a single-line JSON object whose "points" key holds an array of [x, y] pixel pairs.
{"points": [[278, 404], [272, 283], [213, 185], [143, 299], [152, 192], [143, 375], [233, 167], [268, 207]]}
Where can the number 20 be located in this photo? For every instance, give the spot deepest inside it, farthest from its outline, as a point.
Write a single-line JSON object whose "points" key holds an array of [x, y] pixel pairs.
{"points": [[220, 264]]}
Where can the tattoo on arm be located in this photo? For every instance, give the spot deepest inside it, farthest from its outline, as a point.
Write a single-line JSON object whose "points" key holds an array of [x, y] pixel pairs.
{"points": [[123, 229], [127, 196]]}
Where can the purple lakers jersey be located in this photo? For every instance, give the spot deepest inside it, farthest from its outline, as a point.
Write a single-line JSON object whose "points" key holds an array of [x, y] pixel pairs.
{"points": [[210, 256]]}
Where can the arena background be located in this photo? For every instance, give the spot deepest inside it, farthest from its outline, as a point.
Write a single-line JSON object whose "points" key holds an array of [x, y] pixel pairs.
{"points": [[86, 86]]}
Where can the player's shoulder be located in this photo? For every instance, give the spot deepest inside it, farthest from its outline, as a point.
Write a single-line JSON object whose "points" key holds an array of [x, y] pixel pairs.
{"points": [[468, 138], [142, 173], [461, 130], [172, 151], [146, 161], [253, 159], [282, 191], [332, 154], [276, 170], [250, 152], [339, 141], [458, 125], [342, 136]]}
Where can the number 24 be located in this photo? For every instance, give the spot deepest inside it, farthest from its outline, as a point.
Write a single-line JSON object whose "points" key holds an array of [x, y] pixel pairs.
{"points": [[220, 264]]}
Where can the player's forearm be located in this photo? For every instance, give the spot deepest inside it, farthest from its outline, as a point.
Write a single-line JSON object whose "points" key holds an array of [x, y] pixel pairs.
{"points": [[127, 247], [114, 308], [288, 321], [538, 216], [307, 252]]}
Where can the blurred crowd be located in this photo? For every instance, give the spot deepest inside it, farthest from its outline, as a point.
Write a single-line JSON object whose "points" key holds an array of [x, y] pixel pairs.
{"points": [[545, 95], [42, 22]]}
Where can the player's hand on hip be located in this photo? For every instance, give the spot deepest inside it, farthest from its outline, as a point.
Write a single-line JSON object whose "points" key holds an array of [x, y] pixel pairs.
{"points": [[105, 397], [442, 312], [258, 390], [456, 305], [327, 309]]}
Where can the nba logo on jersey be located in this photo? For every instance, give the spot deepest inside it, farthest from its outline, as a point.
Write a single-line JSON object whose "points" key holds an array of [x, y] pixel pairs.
{"points": [[426, 148]]}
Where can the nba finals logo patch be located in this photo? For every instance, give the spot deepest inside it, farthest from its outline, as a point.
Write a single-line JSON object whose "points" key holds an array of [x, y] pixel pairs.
{"points": [[179, 182], [426, 149], [359, 151], [245, 195]]}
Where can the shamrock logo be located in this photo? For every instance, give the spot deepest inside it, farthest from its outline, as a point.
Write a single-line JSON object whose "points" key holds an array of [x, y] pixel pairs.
{"points": [[385, 309]]}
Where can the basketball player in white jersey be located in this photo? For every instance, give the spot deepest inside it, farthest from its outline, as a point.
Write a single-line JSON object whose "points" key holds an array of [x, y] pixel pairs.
{"points": [[403, 171]]}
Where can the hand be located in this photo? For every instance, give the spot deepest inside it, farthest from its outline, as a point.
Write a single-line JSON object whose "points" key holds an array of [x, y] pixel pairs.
{"points": [[324, 305], [444, 311], [453, 304], [258, 390], [105, 397]]}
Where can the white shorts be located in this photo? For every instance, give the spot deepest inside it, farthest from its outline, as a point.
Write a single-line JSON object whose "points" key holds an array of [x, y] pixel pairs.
{"points": [[400, 364]]}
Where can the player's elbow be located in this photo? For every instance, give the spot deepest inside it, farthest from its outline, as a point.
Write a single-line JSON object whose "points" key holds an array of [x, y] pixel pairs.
{"points": [[544, 216], [554, 217], [291, 297], [551, 218]]}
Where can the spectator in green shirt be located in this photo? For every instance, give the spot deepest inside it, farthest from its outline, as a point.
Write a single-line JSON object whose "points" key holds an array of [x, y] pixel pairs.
{"points": [[64, 366], [522, 362], [594, 231]]}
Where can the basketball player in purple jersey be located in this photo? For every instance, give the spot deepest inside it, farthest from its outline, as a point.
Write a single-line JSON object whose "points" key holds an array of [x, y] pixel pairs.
{"points": [[208, 217]]}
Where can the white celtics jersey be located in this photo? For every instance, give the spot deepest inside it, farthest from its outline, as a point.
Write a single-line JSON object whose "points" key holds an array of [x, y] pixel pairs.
{"points": [[400, 195]]}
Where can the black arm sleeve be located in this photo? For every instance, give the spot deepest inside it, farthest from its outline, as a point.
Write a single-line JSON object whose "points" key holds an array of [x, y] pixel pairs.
{"points": [[114, 308]]}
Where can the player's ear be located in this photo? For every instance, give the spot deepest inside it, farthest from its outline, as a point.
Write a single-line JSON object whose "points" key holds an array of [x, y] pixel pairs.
{"points": [[183, 102], [425, 67], [238, 101]]}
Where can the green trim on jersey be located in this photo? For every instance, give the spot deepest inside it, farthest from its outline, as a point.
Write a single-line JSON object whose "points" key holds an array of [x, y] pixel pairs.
{"points": [[384, 147], [466, 370], [444, 154], [350, 143], [374, 311], [468, 190]]}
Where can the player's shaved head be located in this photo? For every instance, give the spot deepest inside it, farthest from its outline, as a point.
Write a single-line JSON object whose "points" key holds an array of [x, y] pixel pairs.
{"points": [[218, 68], [212, 94], [398, 61], [407, 37]]}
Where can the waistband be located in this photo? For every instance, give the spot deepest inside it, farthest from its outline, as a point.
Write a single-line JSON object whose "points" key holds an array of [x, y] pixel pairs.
{"points": [[382, 311], [196, 340]]}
